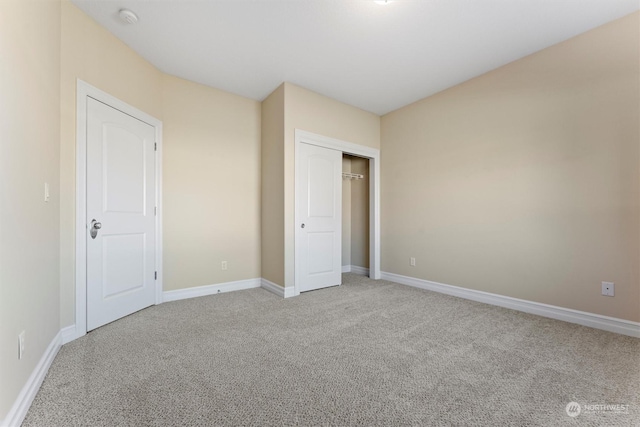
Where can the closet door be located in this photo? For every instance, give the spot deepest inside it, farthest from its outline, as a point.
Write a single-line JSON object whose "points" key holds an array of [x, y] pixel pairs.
{"points": [[319, 214]]}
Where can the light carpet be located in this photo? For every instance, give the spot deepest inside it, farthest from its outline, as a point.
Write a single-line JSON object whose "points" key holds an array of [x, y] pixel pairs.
{"points": [[366, 353]]}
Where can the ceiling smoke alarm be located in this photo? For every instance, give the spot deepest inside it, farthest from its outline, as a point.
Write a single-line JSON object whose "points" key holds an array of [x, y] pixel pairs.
{"points": [[127, 16]]}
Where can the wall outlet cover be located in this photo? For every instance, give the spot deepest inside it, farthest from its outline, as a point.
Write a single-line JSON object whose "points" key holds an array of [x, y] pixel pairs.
{"points": [[608, 289]]}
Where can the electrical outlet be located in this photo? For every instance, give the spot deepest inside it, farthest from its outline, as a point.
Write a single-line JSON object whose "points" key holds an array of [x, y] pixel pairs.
{"points": [[608, 289], [20, 345], [224, 265], [412, 262]]}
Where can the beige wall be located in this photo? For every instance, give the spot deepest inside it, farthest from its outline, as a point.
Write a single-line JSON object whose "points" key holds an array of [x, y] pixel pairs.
{"points": [[272, 187], [211, 197], [311, 112], [525, 181], [211, 162], [360, 213], [29, 157], [346, 212], [91, 53]]}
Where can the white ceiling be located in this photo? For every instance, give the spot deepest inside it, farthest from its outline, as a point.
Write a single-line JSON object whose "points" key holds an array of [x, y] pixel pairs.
{"points": [[376, 57]]}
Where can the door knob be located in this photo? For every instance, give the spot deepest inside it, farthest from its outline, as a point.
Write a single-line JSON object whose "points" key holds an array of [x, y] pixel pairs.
{"points": [[302, 226], [95, 226]]}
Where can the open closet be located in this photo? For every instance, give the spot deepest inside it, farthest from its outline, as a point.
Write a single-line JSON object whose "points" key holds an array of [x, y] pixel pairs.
{"points": [[355, 214]]}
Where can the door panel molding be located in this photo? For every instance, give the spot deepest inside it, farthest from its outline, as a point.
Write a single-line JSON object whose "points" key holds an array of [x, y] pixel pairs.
{"points": [[373, 154], [83, 92]]}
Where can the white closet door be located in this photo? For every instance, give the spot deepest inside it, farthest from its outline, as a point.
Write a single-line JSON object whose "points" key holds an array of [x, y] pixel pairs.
{"points": [[319, 207]]}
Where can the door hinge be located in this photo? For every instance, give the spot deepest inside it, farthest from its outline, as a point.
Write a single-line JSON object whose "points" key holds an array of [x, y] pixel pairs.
{"points": [[155, 210], [155, 275], [155, 146]]}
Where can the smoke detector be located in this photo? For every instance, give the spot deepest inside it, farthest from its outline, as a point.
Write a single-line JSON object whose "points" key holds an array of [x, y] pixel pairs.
{"points": [[127, 16]]}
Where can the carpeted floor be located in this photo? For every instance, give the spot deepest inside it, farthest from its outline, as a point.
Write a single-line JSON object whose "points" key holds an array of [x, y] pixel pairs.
{"points": [[365, 353]]}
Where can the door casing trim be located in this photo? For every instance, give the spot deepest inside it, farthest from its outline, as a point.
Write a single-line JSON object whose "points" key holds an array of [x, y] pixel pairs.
{"points": [[373, 154], [84, 91]]}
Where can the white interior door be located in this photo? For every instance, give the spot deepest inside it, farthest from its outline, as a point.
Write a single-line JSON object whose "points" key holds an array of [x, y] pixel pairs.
{"points": [[120, 214], [319, 217]]}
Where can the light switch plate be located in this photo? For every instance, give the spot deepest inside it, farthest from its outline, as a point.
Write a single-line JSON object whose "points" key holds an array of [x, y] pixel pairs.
{"points": [[21, 345]]}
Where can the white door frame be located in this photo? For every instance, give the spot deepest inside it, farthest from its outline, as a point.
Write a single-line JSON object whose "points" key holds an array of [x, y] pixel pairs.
{"points": [[373, 154], [84, 91]]}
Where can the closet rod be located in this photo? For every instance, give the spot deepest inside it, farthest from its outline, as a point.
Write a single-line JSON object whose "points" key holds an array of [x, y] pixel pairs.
{"points": [[352, 175]]}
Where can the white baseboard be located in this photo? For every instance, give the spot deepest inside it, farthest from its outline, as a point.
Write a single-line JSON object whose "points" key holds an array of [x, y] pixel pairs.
{"points": [[68, 334], [277, 289], [611, 324], [355, 269], [23, 402], [362, 271], [199, 291], [273, 288]]}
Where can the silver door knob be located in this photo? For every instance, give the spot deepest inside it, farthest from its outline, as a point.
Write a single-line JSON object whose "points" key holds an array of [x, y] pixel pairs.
{"points": [[95, 226], [302, 226]]}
